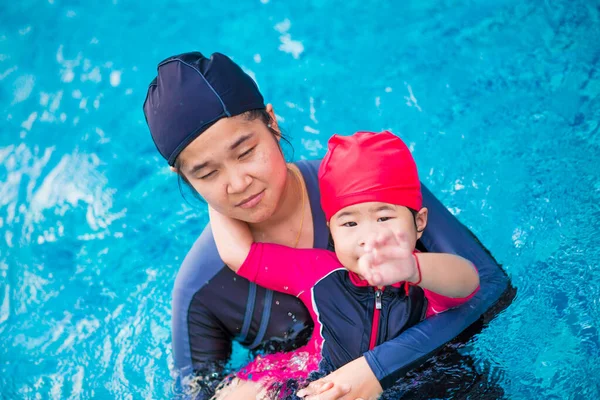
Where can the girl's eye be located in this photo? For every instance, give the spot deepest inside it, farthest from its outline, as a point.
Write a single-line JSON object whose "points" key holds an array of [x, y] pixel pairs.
{"points": [[349, 224], [211, 173], [383, 219], [247, 152]]}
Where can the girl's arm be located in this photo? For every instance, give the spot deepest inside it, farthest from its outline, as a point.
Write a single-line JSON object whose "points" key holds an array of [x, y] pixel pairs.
{"points": [[447, 274], [389, 258], [270, 265], [232, 237]]}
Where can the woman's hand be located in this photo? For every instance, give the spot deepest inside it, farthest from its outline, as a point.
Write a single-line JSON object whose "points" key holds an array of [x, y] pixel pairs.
{"points": [[353, 381], [323, 390]]}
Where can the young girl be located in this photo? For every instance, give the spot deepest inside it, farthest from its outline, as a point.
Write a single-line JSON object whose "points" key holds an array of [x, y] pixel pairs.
{"points": [[376, 284]]}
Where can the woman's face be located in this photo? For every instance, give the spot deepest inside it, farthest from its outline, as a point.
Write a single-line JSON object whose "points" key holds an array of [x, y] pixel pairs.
{"points": [[236, 165]]}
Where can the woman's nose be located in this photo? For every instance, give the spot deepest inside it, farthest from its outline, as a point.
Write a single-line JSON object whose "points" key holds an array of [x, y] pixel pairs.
{"points": [[238, 182]]}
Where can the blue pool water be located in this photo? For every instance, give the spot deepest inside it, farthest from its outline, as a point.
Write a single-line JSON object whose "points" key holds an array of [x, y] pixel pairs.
{"points": [[500, 102]]}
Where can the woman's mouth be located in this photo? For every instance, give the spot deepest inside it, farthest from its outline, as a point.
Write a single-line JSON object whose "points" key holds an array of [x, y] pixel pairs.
{"points": [[252, 200]]}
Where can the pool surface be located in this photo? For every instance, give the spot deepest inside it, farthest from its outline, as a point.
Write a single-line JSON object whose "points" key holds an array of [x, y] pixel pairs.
{"points": [[500, 102]]}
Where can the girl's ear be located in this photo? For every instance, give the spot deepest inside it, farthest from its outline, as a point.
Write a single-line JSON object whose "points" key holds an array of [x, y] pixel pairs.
{"points": [[173, 169], [421, 221]]}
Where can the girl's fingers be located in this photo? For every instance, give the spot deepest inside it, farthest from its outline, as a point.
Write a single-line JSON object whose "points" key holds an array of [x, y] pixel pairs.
{"points": [[402, 240], [376, 279], [368, 244], [377, 240], [374, 239], [365, 265], [388, 253], [364, 262], [375, 256], [383, 238]]}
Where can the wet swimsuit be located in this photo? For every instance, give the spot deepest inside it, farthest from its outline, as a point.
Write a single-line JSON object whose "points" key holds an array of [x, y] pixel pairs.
{"points": [[212, 306], [350, 316]]}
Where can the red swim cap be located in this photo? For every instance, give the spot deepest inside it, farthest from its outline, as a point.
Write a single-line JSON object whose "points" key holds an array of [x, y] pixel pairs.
{"points": [[367, 167]]}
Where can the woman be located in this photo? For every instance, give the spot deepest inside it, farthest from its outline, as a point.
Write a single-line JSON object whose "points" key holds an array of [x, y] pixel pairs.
{"points": [[209, 121]]}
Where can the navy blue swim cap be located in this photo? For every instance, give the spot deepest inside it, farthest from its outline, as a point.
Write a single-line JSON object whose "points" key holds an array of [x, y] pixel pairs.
{"points": [[192, 92]]}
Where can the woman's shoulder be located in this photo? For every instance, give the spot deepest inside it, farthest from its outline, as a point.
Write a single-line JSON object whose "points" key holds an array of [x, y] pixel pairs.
{"points": [[310, 173], [201, 263], [314, 164], [309, 169]]}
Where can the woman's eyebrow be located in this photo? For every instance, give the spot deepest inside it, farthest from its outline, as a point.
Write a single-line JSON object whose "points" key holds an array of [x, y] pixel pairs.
{"points": [[240, 140], [197, 168]]}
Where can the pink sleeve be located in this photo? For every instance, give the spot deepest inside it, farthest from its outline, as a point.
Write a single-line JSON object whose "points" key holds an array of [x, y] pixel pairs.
{"points": [[436, 303], [285, 269]]}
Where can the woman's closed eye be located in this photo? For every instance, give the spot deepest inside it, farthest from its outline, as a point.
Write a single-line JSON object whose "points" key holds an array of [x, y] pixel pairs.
{"points": [[246, 153], [210, 174]]}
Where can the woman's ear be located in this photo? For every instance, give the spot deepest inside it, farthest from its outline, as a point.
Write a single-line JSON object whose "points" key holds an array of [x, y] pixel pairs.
{"points": [[173, 169], [273, 124], [421, 221]]}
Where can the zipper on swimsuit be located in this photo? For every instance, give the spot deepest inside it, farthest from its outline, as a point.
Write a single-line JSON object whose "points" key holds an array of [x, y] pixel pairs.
{"points": [[375, 325]]}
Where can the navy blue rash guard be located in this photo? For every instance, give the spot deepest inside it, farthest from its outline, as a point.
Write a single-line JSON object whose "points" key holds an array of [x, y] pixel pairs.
{"points": [[212, 306]]}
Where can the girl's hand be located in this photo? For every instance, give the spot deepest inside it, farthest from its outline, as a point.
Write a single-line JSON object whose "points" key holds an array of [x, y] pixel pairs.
{"points": [[232, 237], [388, 259]]}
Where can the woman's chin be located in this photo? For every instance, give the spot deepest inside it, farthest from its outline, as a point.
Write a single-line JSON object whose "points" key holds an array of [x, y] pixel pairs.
{"points": [[255, 215], [259, 216]]}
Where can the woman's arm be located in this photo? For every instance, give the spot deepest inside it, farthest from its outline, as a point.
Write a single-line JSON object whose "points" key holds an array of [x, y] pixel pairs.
{"points": [[391, 360], [232, 237], [445, 234], [446, 275], [201, 346]]}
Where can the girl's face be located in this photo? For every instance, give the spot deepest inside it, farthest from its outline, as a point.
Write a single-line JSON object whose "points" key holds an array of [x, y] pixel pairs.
{"points": [[353, 225], [237, 166]]}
